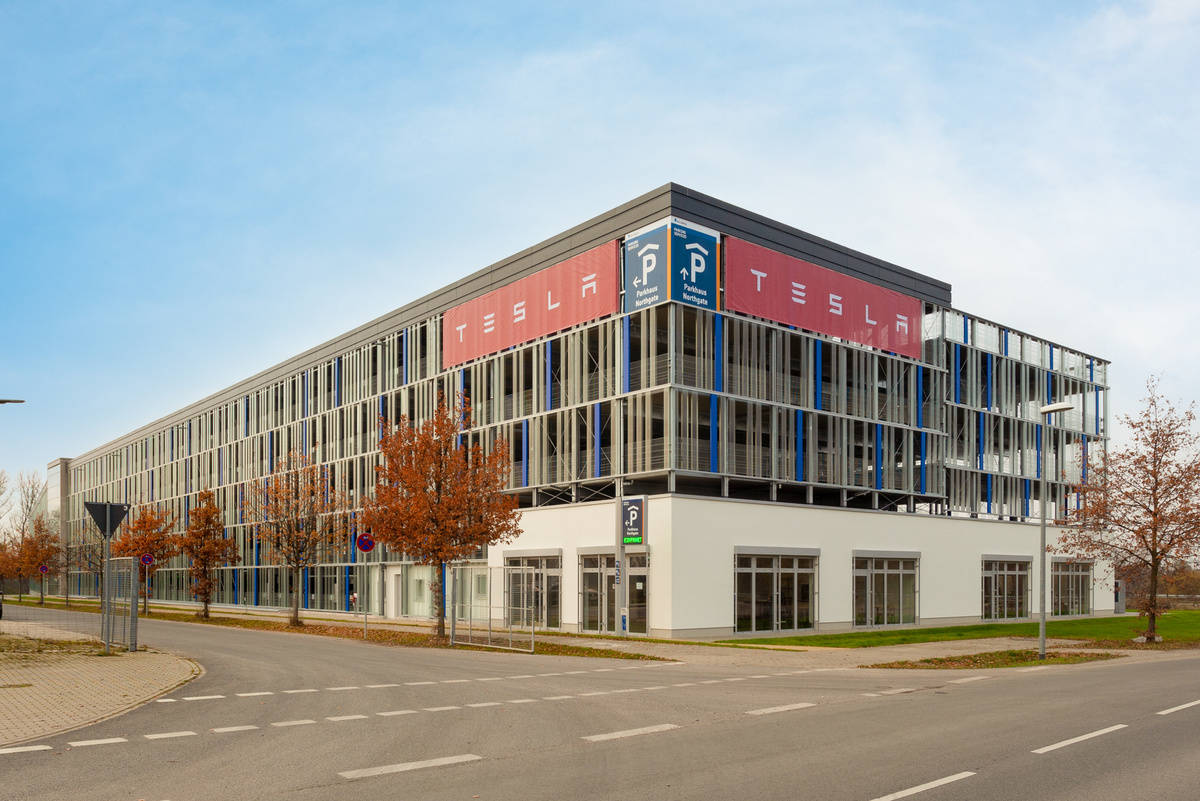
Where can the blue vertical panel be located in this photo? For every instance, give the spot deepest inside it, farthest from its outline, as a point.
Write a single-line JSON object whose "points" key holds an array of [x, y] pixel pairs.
{"points": [[1049, 389], [189, 437], [1083, 479], [257, 561], [246, 432], [625, 354], [151, 485], [1039, 451], [920, 397], [337, 381], [989, 493], [1092, 370], [187, 474], [171, 440], [923, 435], [966, 331], [957, 373], [1051, 357], [979, 442], [713, 413], [235, 584], [382, 416], [304, 394], [817, 370], [549, 374], [346, 586], [304, 586], [271, 451], [525, 453], [1004, 342], [799, 445], [1026, 498], [187, 507], [987, 386], [879, 456], [596, 439], [719, 353]]}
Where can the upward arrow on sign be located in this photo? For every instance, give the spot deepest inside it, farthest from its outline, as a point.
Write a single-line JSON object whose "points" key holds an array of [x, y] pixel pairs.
{"points": [[107, 515]]}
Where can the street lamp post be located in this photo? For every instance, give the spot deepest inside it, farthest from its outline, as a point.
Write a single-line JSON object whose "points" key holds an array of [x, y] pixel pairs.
{"points": [[1045, 412]]}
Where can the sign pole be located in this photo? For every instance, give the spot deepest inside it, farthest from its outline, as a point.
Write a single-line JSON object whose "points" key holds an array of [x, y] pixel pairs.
{"points": [[106, 600], [618, 471]]}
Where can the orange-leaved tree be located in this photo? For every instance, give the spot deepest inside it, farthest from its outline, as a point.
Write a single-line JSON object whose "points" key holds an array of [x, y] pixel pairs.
{"points": [[204, 543], [39, 547], [301, 514], [1140, 506], [151, 531], [437, 500]]}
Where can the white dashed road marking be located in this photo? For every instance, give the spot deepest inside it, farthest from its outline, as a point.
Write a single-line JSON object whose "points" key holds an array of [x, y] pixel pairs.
{"points": [[380, 686], [105, 741], [339, 689], [169, 735], [21, 749], [523, 701], [1062, 744], [252, 695], [283, 723], [441, 708], [418, 683], [773, 709], [920, 788], [1178, 708], [406, 766], [616, 735], [396, 712], [201, 697], [293, 692], [485, 703], [556, 697], [166, 700], [340, 718], [230, 729]]}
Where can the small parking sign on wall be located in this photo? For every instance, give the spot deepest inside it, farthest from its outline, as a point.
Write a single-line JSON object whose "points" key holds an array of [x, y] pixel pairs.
{"points": [[633, 521]]}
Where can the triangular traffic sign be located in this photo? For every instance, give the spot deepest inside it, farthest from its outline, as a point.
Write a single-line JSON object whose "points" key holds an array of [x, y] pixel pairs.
{"points": [[107, 514]]}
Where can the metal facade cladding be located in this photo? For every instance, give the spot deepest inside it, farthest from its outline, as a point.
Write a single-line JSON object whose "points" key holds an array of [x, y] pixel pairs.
{"points": [[765, 283], [574, 291]]}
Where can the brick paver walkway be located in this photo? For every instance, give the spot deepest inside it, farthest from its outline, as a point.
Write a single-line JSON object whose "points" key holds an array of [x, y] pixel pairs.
{"points": [[43, 694]]}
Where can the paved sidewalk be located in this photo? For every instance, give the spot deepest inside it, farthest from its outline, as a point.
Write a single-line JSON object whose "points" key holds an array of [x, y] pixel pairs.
{"points": [[44, 694]]}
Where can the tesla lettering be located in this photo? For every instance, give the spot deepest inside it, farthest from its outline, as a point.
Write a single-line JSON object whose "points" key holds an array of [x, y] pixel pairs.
{"points": [[489, 322], [835, 304], [589, 282], [518, 311], [798, 293], [867, 314], [758, 277], [459, 329], [901, 324], [549, 303]]}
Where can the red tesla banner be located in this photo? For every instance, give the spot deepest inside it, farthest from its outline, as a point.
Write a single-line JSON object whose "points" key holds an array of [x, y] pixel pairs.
{"points": [[579, 289], [788, 290]]}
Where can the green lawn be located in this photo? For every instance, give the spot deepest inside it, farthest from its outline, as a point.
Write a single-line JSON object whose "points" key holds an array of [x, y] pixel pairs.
{"points": [[1179, 626], [998, 659]]}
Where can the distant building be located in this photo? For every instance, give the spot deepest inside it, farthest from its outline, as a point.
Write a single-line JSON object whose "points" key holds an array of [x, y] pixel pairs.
{"points": [[821, 439]]}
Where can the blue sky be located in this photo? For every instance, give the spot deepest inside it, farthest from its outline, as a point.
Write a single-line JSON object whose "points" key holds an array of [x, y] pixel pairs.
{"points": [[192, 192]]}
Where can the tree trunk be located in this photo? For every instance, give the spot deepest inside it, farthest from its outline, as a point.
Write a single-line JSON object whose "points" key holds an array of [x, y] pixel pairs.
{"points": [[42, 592], [1152, 605], [440, 600], [295, 618]]}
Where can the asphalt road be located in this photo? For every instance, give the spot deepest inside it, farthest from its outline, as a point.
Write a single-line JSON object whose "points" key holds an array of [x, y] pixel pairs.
{"points": [[302, 717]]}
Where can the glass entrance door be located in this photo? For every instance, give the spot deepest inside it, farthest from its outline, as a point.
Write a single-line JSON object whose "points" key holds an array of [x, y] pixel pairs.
{"points": [[600, 610]]}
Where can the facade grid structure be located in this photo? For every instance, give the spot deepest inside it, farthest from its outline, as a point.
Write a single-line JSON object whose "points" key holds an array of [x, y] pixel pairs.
{"points": [[864, 466]]}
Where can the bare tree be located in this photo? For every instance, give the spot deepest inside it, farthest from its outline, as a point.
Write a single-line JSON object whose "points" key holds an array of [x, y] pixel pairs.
{"points": [[29, 489]]}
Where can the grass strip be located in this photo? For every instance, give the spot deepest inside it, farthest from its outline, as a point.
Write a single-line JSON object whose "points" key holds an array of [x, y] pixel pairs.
{"points": [[377, 635], [1180, 628], [997, 659]]}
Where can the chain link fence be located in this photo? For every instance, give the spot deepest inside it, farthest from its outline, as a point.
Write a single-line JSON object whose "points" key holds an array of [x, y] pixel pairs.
{"points": [[491, 607]]}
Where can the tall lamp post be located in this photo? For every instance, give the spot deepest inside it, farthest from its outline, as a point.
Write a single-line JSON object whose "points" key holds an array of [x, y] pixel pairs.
{"points": [[1045, 412]]}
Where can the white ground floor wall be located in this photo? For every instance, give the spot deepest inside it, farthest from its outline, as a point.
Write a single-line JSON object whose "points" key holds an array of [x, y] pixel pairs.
{"points": [[692, 543]]}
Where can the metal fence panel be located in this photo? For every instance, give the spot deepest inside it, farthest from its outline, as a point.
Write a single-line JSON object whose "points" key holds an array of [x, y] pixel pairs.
{"points": [[493, 607]]}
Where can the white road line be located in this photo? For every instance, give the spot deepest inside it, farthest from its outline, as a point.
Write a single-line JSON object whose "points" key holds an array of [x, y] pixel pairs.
{"points": [[626, 690], [380, 686], [920, 788], [21, 749], [573, 672], [169, 735], [485, 703], [201, 697], [293, 692], [616, 735], [340, 718], [1177, 708], [1031, 669], [870, 695], [440, 708], [228, 729], [283, 723], [406, 766], [1048, 748], [897, 691], [603, 670], [655, 687], [782, 674], [969, 678], [771, 710], [417, 683], [252, 695], [711, 681], [549, 674], [166, 700], [736, 678], [396, 712], [339, 689], [597, 692], [523, 701], [761, 676], [685, 684], [522, 676], [455, 681], [105, 741], [491, 678], [556, 697]]}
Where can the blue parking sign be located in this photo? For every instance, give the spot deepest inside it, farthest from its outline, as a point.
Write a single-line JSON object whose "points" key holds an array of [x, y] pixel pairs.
{"points": [[647, 258], [694, 265]]}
